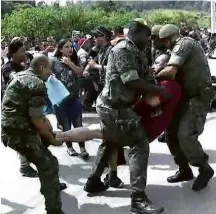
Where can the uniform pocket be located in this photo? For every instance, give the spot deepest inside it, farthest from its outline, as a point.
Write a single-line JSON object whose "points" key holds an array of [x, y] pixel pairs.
{"points": [[199, 113]]}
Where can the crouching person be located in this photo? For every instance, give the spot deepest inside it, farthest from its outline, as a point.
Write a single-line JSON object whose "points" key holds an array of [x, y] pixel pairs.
{"points": [[24, 127]]}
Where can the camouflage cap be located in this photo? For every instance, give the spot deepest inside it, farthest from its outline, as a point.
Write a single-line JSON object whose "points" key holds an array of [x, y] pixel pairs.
{"points": [[168, 30], [155, 30], [141, 21]]}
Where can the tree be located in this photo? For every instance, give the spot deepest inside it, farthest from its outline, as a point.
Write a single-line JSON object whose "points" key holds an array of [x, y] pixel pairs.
{"points": [[43, 21], [18, 6], [107, 6], [41, 3], [8, 6]]}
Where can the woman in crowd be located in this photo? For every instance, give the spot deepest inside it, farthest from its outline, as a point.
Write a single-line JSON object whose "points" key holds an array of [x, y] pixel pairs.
{"points": [[69, 111]]}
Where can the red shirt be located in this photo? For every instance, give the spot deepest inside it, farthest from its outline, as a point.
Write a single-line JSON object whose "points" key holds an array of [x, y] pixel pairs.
{"points": [[154, 126]]}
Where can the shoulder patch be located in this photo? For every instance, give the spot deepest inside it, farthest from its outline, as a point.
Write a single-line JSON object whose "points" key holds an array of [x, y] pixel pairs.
{"points": [[182, 46]]}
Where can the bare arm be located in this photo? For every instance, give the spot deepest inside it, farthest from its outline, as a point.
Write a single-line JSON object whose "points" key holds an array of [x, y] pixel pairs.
{"points": [[168, 73], [44, 128], [37, 100], [78, 70]]}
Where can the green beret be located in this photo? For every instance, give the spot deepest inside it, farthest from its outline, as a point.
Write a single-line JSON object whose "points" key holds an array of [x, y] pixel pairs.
{"points": [[168, 30], [155, 30]]}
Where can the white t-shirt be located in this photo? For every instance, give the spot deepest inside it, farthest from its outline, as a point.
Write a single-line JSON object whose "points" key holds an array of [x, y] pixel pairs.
{"points": [[82, 56], [4, 52]]}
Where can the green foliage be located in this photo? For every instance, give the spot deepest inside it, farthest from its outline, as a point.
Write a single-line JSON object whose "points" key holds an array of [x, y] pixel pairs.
{"points": [[8, 6], [43, 21]]}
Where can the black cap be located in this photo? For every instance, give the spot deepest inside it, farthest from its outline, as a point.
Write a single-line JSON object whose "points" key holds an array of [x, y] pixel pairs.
{"points": [[102, 31]]}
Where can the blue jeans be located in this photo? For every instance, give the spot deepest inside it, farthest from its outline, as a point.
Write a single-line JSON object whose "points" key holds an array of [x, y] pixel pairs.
{"points": [[69, 113]]}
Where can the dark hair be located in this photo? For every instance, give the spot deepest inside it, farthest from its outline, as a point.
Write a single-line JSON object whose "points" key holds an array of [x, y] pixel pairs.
{"points": [[119, 30], [37, 48], [29, 56], [58, 54], [136, 27], [13, 47]]}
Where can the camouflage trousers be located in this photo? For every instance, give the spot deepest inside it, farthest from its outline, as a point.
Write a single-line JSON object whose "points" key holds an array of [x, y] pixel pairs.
{"points": [[29, 144], [23, 161], [184, 130], [129, 134]]}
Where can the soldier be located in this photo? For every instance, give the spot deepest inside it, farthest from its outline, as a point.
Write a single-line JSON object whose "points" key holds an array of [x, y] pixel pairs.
{"points": [[16, 56], [102, 40], [158, 44], [189, 66], [24, 127], [159, 48], [123, 82]]}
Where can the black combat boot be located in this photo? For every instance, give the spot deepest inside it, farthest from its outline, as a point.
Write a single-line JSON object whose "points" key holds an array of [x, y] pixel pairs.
{"points": [[113, 180], [184, 174], [28, 171], [140, 204], [162, 138], [95, 185], [63, 186], [205, 174]]}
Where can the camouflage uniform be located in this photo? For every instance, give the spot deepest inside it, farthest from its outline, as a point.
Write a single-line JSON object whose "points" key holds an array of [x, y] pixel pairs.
{"points": [[197, 93], [114, 104], [9, 69], [102, 60], [25, 98], [156, 52]]}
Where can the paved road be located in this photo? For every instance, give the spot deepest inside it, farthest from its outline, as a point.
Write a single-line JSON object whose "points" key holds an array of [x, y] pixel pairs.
{"points": [[21, 195]]}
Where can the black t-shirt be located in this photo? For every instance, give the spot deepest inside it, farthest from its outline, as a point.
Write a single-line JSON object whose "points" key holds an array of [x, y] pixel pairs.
{"points": [[9, 67], [6, 70]]}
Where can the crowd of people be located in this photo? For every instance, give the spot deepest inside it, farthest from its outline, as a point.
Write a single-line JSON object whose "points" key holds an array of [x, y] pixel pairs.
{"points": [[140, 82]]}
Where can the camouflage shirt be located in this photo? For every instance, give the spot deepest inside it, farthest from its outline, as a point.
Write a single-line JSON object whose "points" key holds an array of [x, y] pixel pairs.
{"points": [[103, 59], [124, 65], [24, 98], [193, 69]]}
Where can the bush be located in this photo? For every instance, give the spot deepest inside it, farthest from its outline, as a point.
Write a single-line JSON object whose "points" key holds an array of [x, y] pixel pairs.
{"points": [[58, 21]]}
